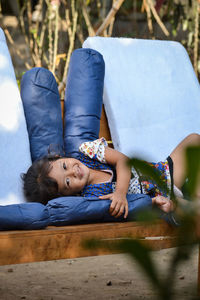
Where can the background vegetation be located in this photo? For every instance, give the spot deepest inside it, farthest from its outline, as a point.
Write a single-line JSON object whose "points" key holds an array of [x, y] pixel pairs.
{"points": [[52, 29]]}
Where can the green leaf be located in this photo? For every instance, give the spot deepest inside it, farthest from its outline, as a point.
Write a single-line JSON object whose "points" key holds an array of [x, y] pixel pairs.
{"points": [[149, 216], [174, 32], [33, 30], [185, 25], [193, 169]]}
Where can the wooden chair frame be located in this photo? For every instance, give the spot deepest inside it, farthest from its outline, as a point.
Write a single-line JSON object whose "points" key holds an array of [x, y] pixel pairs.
{"points": [[52, 243]]}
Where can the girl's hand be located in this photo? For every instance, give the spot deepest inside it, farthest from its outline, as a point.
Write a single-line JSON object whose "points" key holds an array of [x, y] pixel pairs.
{"points": [[119, 204], [163, 203]]}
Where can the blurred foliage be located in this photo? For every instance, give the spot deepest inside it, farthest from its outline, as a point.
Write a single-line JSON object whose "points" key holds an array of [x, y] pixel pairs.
{"points": [[187, 233]]}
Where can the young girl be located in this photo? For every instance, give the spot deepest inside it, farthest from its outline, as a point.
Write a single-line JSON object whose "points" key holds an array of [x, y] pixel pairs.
{"points": [[102, 171]]}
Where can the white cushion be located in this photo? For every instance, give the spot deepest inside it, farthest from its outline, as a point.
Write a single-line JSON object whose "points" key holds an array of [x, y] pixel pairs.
{"points": [[151, 95], [14, 150]]}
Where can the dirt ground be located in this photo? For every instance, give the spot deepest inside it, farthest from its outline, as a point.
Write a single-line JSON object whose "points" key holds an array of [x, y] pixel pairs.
{"points": [[103, 277]]}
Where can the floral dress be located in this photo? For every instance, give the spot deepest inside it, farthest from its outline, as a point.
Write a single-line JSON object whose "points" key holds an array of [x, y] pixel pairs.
{"points": [[92, 154]]}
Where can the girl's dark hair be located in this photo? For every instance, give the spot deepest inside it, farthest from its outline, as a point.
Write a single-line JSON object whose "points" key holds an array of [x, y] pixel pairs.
{"points": [[38, 186]]}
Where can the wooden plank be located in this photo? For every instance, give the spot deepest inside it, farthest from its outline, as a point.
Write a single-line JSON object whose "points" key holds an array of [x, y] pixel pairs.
{"points": [[66, 242]]}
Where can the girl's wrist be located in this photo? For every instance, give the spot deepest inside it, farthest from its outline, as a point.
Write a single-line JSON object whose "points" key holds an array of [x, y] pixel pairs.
{"points": [[120, 192]]}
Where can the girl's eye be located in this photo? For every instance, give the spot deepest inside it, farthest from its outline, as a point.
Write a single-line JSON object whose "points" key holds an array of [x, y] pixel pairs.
{"points": [[67, 181], [64, 166]]}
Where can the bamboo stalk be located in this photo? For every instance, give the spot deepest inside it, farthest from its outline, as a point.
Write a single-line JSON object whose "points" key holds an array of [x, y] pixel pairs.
{"points": [[15, 49], [135, 17], [31, 36], [90, 29], [99, 5], [115, 7], [42, 34], [196, 37], [73, 7], [50, 46], [68, 21], [55, 50], [149, 19], [80, 34], [71, 46], [37, 45], [36, 51], [71, 33], [40, 41], [29, 17], [157, 18], [59, 57], [110, 29], [104, 33], [24, 32], [143, 8]]}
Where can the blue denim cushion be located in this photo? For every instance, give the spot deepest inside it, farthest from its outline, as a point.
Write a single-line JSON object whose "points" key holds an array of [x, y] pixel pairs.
{"points": [[42, 109], [24, 216], [83, 99]]}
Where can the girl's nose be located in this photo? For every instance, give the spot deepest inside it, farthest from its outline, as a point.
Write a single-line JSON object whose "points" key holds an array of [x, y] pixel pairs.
{"points": [[72, 172]]}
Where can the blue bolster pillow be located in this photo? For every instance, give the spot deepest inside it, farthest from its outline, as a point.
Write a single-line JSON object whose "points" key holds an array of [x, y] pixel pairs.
{"points": [[42, 108], [79, 210], [66, 211], [24, 216], [83, 99]]}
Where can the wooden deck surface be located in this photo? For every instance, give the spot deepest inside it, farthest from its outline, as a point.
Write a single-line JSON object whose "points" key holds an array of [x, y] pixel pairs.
{"points": [[24, 246]]}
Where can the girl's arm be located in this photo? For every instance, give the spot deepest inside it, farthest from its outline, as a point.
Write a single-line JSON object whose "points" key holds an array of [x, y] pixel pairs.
{"points": [[119, 203]]}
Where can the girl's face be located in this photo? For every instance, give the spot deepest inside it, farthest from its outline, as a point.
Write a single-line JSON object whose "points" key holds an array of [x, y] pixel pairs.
{"points": [[70, 174]]}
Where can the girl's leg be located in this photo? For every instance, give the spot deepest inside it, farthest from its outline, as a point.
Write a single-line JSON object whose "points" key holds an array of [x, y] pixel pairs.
{"points": [[179, 160]]}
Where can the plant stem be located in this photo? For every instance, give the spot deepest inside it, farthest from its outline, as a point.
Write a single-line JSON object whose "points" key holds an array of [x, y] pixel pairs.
{"points": [[55, 50], [71, 33], [149, 19], [50, 46], [15, 49], [110, 29], [196, 37], [116, 6], [90, 29], [157, 18]]}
